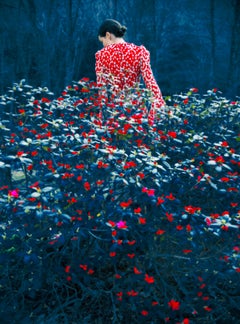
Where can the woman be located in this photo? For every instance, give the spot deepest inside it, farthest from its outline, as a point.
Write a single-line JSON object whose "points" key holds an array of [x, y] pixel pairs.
{"points": [[120, 65]]}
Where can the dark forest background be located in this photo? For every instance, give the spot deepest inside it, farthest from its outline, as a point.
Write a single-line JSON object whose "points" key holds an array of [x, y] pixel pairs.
{"points": [[52, 42]]}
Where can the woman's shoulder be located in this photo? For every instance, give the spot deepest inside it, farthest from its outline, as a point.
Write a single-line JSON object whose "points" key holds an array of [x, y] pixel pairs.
{"points": [[141, 49], [102, 52], [136, 47]]}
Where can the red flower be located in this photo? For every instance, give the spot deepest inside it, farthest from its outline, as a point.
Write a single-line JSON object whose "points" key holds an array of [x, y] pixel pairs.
{"points": [[87, 186], [137, 210], [101, 164], [67, 268], [44, 125], [46, 100], [144, 312], [149, 279], [132, 293], [79, 166], [136, 271], [207, 308], [125, 204], [172, 134], [224, 228], [160, 200], [205, 298], [119, 295], [233, 204], [169, 217], [114, 233], [194, 90], [186, 251], [90, 271], [72, 200], [67, 175], [142, 220], [192, 209], [179, 227], [160, 232], [30, 167], [83, 266], [170, 197], [214, 216], [112, 254], [224, 144], [85, 90], [141, 175], [174, 305], [232, 189], [32, 199], [219, 159], [149, 192], [99, 182], [188, 227], [225, 179], [111, 223], [130, 164], [20, 153]]}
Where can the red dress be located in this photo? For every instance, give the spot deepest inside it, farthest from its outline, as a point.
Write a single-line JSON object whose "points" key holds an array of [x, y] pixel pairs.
{"points": [[121, 66]]}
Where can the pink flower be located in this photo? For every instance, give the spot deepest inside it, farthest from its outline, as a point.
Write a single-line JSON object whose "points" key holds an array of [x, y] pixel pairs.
{"points": [[208, 221], [122, 224], [13, 193]]}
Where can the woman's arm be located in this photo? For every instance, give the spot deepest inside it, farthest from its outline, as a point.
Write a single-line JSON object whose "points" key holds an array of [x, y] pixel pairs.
{"points": [[149, 79], [99, 70]]}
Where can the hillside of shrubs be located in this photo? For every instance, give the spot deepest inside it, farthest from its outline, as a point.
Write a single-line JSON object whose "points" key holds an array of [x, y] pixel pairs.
{"points": [[107, 218]]}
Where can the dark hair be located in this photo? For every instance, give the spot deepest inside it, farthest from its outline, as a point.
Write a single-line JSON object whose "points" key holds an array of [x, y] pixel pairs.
{"points": [[112, 26]]}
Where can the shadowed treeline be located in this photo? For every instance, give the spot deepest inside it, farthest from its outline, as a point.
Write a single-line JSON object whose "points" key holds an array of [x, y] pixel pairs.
{"points": [[192, 43]]}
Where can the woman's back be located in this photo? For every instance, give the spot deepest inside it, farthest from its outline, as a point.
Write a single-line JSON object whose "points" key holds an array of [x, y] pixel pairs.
{"points": [[119, 65]]}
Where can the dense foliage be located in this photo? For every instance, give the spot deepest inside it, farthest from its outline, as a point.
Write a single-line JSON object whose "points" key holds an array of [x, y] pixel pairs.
{"points": [[112, 220]]}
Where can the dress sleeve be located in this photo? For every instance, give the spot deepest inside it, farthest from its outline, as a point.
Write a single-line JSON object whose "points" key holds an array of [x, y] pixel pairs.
{"points": [[99, 70], [149, 79]]}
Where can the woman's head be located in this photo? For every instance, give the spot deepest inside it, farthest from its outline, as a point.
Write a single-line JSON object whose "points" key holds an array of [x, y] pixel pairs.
{"points": [[113, 27]]}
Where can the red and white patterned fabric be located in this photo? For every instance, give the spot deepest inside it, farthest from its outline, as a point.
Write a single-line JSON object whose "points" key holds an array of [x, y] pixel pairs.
{"points": [[121, 66]]}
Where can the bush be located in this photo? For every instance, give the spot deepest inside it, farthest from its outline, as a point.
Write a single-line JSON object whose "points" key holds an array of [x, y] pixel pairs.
{"points": [[110, 220]]}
